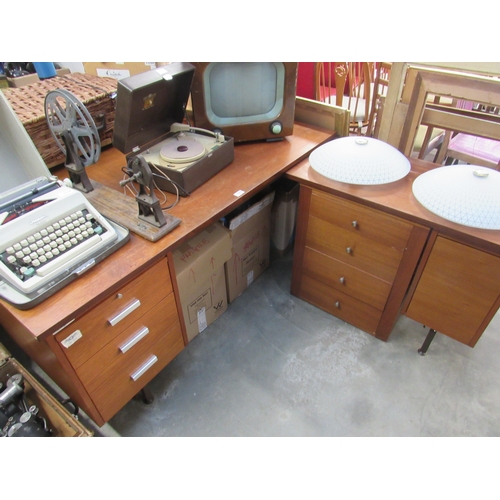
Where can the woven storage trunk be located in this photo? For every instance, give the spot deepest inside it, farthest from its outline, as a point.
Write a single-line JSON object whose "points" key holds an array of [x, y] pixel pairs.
{"points": [[95, 92]]}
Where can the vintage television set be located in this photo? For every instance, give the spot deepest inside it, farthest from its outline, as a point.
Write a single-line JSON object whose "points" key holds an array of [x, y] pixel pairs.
{"points": [[248, 101]]}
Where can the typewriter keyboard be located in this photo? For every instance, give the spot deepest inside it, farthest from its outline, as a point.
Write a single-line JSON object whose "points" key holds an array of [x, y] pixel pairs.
{"points": [[50, 248]]}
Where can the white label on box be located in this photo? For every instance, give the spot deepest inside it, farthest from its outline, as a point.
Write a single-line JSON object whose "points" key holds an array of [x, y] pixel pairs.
{"points": [[113, 73], [202, 319], [250, 278], [69, 341]]}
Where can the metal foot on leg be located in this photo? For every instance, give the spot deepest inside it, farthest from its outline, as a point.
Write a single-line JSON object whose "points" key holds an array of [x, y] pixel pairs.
{"points": [[146, 395], [427, 342]]}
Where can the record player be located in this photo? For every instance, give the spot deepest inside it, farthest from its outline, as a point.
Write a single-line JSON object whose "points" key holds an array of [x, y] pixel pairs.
{"points": [[150, 111]]}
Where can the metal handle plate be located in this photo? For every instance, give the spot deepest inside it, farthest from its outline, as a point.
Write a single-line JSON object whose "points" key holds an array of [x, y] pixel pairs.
{"points": [[124, 312], [144, 368], [132, 341]]}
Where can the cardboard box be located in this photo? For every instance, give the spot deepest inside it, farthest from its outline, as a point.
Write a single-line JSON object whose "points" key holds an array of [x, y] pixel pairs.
{"points": [[250, 244], [283, 218], [21, 81], [199, 270], [117, 70]]}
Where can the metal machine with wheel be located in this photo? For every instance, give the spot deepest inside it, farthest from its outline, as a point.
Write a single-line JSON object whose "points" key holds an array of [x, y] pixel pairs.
{"points": [[75, 133]]}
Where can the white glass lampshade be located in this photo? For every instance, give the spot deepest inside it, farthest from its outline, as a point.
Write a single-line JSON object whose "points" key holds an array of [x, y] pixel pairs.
{"points": [[465, 194], [360, 160]]}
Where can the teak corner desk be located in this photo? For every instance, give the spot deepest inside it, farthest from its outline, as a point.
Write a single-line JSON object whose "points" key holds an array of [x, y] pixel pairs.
{"points": [[107, 334], [364, 254]]}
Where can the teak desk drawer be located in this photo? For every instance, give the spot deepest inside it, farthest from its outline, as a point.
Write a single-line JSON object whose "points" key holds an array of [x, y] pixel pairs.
{"points": [[346, 279], [353, 249], [108, 375], [358, 219], [88, 335], [340, 304]]}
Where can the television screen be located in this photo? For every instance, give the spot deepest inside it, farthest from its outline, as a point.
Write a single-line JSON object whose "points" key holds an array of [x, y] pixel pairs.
{"points": [[245, 100]]}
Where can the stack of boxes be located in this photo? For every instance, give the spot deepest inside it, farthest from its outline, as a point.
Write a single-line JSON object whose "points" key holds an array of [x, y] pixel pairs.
{"points": [[219, 264], [199, 268]]}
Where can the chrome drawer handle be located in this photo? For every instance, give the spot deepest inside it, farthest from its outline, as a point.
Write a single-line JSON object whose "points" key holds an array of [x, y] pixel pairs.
{"points": [[131, 342], [354, 223], [348, 250], [342, 280], [337, 304], [144, 368], [125, 312]]}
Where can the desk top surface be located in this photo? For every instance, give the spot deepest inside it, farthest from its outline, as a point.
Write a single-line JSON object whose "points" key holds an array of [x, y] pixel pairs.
{"points": [[255, 165]]}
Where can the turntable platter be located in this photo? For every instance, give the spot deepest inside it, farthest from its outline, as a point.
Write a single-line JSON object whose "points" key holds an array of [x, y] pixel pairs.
{"points": [[182, 150]]}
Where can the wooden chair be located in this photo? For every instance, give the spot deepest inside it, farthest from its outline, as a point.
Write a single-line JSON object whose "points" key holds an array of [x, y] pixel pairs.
{"points": [[472, 149], [469, 148], [427, 139], [381, 86], [347, 85], [458, 86]]}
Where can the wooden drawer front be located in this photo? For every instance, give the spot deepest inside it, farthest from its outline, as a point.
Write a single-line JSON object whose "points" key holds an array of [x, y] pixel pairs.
{"points": [[346, 279], [353, 249], [107, 376], [358, 219], [86, 336], [339, 304], [458, 289]]}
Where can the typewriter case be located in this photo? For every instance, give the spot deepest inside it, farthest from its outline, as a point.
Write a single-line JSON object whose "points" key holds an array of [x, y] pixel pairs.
{"points": [[20, 161], [147, 105]]}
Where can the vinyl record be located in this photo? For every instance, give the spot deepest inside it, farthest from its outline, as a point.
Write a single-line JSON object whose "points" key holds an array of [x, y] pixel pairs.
{"points": [[182, 150]]}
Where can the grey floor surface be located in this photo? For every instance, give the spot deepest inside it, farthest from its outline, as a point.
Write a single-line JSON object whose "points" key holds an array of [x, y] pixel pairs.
{"points": [[273, 365]]}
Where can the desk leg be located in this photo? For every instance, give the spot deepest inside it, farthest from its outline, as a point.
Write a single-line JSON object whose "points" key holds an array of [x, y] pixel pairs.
{"points": [[427, 342], [145, 395]]}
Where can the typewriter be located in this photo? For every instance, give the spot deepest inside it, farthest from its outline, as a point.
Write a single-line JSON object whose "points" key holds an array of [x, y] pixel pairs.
{"points": [[49, 235]]}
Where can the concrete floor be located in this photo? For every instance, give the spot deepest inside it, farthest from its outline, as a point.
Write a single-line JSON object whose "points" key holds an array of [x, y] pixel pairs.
{"points": [[273, 365]]}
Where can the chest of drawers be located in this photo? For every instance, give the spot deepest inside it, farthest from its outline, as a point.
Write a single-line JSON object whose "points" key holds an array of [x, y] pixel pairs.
{"points": [[120, 345], [353, 261]]}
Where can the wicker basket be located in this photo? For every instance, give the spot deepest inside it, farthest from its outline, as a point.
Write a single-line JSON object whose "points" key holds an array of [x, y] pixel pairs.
{"points": [[96, 93]]}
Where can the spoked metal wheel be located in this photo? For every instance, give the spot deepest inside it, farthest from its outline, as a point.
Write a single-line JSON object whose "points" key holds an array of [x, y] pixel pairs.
{"points": [[66, 115]]}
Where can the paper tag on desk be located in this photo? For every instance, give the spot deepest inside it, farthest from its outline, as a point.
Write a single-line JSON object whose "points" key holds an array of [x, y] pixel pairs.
{"points": [[202, 319]]}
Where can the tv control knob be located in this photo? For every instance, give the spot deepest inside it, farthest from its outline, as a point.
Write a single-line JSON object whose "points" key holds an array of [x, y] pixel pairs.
{"points": [[276, 128]]}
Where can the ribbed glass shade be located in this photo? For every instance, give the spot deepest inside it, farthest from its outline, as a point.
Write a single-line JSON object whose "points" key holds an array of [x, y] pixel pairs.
{"points": [[465, 194], [360, 160]]}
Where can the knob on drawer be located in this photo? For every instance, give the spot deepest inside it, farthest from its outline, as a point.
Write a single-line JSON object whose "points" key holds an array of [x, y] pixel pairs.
{"points": [[354, 223], [337, 304], [342, 280], [348, 250]]}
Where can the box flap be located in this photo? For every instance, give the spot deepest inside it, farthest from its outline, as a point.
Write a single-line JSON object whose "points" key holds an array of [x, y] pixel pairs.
{"points": [[148, 104], [252, 211], [199, 257]]}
